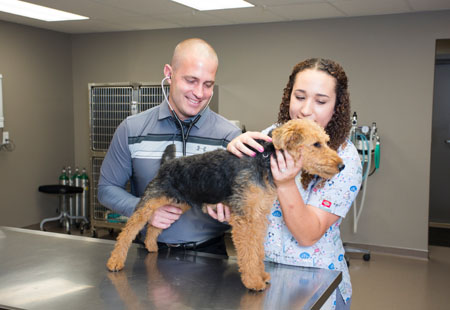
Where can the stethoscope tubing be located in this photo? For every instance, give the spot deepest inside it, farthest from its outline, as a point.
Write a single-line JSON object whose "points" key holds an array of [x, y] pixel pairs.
{"points": [[180, 123]]}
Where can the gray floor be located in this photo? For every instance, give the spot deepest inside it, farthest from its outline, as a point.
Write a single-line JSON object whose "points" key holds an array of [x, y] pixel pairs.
{"points": [[386, 281], [393, 282]]}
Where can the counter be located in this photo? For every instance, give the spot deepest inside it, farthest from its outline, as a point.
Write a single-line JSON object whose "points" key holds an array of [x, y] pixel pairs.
{"points": [[43, 270]]}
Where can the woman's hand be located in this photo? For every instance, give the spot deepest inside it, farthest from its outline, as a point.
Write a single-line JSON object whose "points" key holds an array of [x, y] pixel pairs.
{"points": [[284, 168], [239, 145]]}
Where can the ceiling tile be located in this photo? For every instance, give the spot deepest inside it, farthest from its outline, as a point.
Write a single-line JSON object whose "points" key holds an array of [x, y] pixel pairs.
{"points": [[430, 5], [371, 7], [195, 19], [147, 7], [283, 2], [146, 23], [247, 15], [306, 11]]}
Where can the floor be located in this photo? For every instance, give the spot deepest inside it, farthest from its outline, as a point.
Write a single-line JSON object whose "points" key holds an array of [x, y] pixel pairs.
{"points": [[384, 282], [394, 282]]}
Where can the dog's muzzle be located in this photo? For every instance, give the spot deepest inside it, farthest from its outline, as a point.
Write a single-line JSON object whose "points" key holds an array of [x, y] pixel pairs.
{"points": [[341, 167]]}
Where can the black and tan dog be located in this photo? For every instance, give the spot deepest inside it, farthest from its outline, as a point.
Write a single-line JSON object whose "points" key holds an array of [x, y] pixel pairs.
{"points": [[244, 184]]}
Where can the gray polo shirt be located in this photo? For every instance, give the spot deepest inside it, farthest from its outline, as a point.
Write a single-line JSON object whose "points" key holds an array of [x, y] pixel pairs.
{"points": [[135, 154]]}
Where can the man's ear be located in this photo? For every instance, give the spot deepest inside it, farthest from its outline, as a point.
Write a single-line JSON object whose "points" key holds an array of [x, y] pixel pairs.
{"points": [[168, 71]]}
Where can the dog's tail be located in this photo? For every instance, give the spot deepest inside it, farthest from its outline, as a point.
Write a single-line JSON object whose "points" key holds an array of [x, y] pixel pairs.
{"points": [[169, 153]]}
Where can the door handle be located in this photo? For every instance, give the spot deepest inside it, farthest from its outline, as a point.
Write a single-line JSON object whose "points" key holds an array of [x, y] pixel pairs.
{"points": [[447, 141]]}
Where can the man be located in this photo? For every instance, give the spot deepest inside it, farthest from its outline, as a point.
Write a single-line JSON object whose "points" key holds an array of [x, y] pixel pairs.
{"points": [[185, 120]]}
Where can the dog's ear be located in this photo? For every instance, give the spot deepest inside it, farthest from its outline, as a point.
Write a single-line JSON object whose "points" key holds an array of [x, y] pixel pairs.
{"points": [[289, 137]]}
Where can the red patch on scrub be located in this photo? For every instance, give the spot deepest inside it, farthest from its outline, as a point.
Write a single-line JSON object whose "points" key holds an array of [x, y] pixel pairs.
{"points": [[326, 203]]}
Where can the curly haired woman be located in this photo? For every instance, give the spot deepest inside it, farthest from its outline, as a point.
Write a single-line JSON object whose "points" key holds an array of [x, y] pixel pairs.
{"points": [[304, 221]]}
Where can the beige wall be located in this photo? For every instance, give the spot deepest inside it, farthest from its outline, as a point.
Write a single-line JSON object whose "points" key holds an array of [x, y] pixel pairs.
{"points": [[38, 108], [390, 64]]}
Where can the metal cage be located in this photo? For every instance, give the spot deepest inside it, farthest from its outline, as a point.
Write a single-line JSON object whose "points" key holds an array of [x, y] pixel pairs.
{"points": [[108, 107]]}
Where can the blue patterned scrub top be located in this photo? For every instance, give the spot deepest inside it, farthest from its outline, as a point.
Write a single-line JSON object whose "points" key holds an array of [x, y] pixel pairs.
{"points": [[336, 196]]}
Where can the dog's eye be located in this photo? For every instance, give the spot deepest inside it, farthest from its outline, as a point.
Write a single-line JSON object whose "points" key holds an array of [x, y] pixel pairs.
{"points": [[317, 144]]}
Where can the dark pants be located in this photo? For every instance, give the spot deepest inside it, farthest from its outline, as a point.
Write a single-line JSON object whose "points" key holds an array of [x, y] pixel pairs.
{"points": [[213, 246]]}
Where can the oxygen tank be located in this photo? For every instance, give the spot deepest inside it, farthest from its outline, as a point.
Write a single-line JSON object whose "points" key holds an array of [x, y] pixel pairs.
{"points": [[77, 199], [71, 198], [84, 179], [63, 179], [69, 176]]}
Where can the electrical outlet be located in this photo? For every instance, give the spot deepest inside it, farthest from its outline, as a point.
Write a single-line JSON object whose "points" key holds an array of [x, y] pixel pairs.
{"points": [[5, 137]]}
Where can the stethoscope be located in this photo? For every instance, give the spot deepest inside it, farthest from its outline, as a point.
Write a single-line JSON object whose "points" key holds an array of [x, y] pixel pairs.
{"points": [[183, 124]]}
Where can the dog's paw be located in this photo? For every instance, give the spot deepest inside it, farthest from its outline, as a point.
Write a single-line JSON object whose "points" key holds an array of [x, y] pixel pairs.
{"points": [[114, 264], [153, 247], [254, 283], [261, 286]]}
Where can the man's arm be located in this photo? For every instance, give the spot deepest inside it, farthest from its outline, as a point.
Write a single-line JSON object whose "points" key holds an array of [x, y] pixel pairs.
{"points": [[115, 172]]}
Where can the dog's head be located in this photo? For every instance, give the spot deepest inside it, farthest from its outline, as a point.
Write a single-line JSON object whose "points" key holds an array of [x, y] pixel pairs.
{"points": [[306, 139]]}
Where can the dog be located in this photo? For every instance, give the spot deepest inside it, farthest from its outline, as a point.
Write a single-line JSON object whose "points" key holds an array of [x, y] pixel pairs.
{"points": [[244, 184]]}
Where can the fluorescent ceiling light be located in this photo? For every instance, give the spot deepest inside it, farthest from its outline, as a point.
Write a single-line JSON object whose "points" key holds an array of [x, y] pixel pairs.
{"points": [[208, 5], [36, 11]]}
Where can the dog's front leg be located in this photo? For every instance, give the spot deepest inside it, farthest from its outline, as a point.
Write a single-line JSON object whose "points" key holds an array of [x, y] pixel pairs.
{"points": [[248, 238]]}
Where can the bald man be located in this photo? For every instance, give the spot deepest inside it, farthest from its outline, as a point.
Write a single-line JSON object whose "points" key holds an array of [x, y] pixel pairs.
{"points": [[186, 121]]}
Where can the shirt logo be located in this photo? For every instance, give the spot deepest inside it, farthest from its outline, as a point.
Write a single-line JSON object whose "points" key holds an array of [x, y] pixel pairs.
{"points": [[326, 203], [201, 148]]}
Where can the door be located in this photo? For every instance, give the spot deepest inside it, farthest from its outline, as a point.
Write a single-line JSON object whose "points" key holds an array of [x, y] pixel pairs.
{"points": [[440, 147]]}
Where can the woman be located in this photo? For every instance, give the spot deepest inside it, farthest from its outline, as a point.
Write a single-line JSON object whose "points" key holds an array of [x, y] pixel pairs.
{"points": [[304, 222]]}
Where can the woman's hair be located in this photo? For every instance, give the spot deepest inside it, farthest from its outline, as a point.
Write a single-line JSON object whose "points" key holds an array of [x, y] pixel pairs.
{"points": [[338, 127]]}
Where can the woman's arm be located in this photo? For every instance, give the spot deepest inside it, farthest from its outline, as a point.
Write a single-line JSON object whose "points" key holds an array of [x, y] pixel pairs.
{"points": [[306, 223]]}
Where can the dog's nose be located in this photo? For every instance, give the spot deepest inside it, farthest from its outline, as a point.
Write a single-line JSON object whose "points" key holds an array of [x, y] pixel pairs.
{"points": [[341, 167]]}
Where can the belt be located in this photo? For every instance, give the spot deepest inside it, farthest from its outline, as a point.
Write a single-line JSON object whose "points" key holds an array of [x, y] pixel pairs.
{"points": [[192, 245]]}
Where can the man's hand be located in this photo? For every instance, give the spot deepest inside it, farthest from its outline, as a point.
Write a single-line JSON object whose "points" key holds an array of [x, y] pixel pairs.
{"points": [[219, 212], [165, 216]]}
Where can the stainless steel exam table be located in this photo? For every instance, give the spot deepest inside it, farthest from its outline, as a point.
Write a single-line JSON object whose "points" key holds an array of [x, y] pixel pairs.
{"points": [[42, 270]]}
